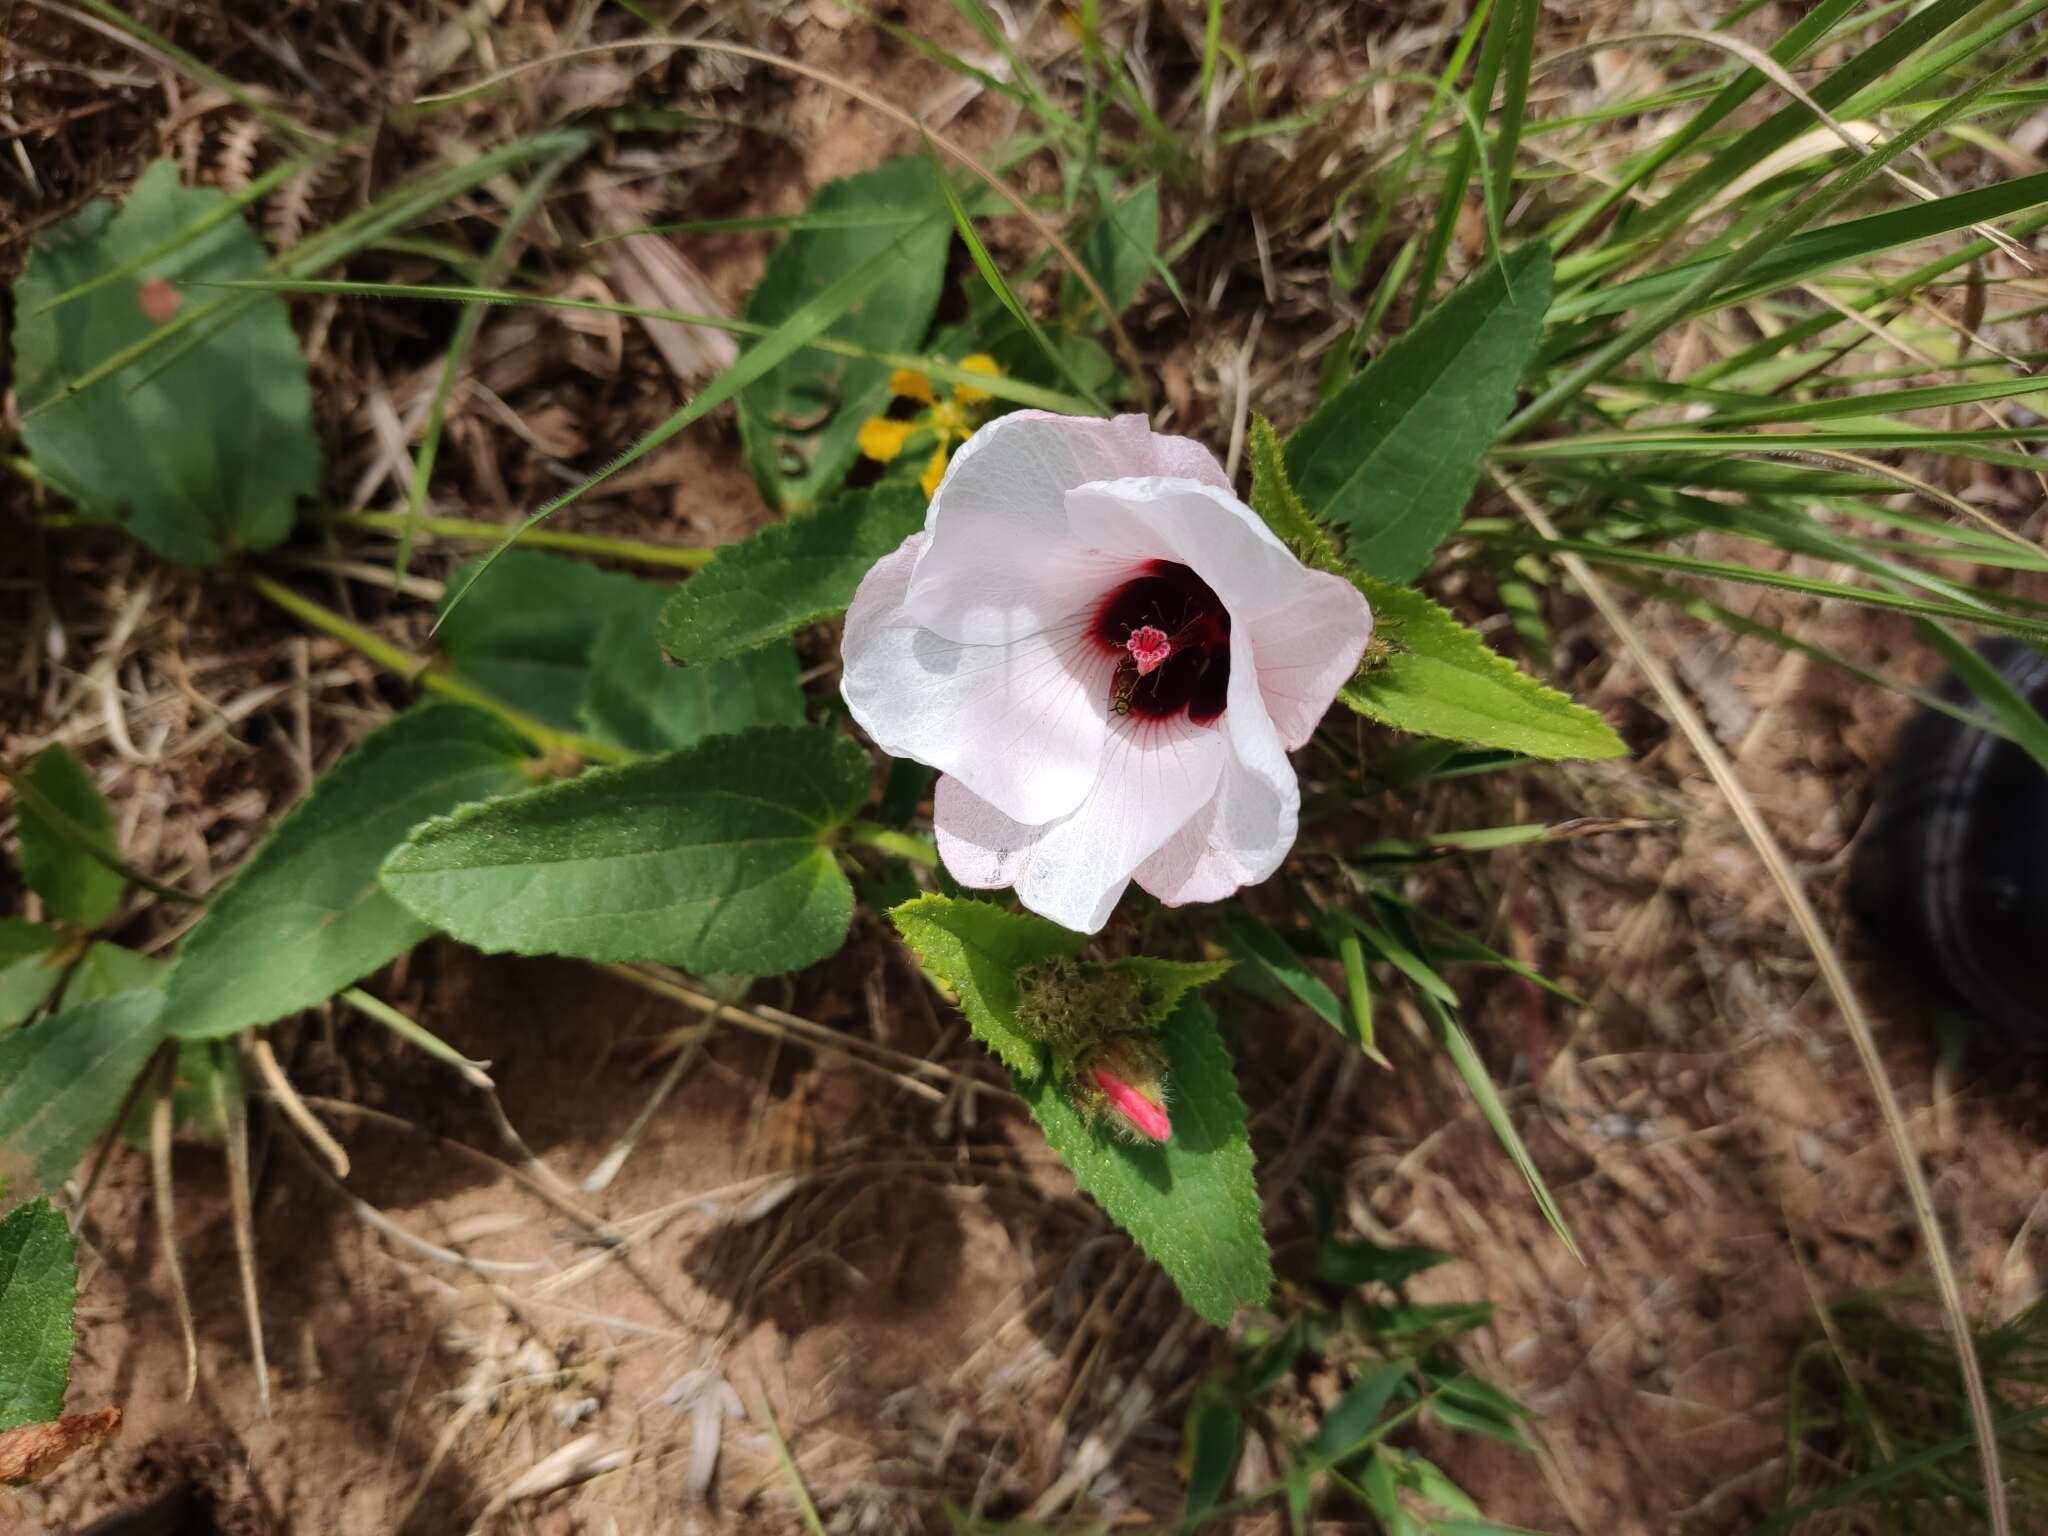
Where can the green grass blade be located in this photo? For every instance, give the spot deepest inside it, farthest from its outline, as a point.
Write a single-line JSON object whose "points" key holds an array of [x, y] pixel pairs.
{"points": [[806, 324], [1002, 386]]}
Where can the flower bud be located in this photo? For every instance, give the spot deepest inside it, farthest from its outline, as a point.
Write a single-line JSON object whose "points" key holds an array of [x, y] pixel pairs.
{"points": [[1123, 1084]]}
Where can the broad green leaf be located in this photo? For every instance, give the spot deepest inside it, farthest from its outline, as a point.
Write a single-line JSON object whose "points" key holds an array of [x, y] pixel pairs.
{"points": [[1424, 671], [977, 949], [525, 634], [1190, 1202], [207, 454], [787, 576], [638, 700], [800, 421], [62, 813], [1121, 250], [1393, 457], [30, 968], [1435, 677], [38, 1289], [106, 968], [714, 858], [304, 916], [62, 1079]]}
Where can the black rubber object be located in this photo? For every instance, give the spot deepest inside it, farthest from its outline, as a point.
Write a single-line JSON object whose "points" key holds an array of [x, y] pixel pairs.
{"points": [[1951, 871]]}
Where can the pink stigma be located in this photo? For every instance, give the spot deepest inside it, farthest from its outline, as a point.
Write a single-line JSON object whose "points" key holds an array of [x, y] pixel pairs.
{"points": [[1139, 1111], [1149, 648]]}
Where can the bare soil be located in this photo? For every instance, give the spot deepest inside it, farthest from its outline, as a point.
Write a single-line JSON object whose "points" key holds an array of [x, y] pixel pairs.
{"points": [[885, 1271]]}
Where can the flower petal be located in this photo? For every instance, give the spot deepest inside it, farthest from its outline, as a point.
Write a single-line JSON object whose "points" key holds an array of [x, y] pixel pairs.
{"points": [[909, 384], [1308, 628], [1156, 776], [1241, 836], [976, 362], [1022, 724], [1002, 553], [882, 438]]}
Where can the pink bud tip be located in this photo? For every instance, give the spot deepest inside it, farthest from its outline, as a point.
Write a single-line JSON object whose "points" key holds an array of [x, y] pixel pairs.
{"points": [[1139, 1111], [1149, 648], [159, 300]]}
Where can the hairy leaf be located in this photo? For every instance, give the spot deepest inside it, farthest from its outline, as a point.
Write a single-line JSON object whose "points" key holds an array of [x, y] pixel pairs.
{"points": [[800, 422], [38, 1289], [1393, 456], [1425, 672], [789, 575], [714, 858], [62, 813], [1438, 678], [202, 450], [977, 949], [1190, 1202], [304, 916]]}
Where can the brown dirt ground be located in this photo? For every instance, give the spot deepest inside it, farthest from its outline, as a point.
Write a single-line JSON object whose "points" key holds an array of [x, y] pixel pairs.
{"points": [[895, 1277]]}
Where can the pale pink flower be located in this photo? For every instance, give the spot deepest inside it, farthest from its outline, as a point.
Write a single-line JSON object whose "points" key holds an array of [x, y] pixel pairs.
{"points": [[1108, 657]]}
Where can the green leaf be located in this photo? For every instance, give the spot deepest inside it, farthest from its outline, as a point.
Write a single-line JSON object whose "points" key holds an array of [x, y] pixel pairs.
{"points": [[1273, 498], [1275, 957], [1361, 1261], [63, 1078], [1209, 1445], [1424, 671], [526, 633], [1435, 677], [62, 813], [1163, 983], [304, 916], [636, 699], [1354, 1422], [1393, 457], [714, 858], [1465, 1402], [201, 456], [1190, 1202], [800, 421], [30, 968], [108, 968], [977, 949], [38, 1289], [1121, 250], [789, 575]]}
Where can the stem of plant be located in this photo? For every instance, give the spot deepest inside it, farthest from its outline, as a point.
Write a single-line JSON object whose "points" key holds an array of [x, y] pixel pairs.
{"points": [[467, 530], [426, 673], [916, 849]]}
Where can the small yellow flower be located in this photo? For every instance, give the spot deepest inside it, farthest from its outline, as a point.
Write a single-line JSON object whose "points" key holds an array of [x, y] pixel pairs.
{"points": [[977, 362], [943, 422], [882, 439], [909, 384], [934, 472]]}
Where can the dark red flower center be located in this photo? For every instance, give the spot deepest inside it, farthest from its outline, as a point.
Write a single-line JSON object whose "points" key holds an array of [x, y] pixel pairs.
{"points": [[1170, 634]]}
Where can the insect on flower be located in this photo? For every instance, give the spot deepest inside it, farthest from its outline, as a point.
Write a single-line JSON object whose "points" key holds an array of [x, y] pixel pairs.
{"points": [[1108, 657]]}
